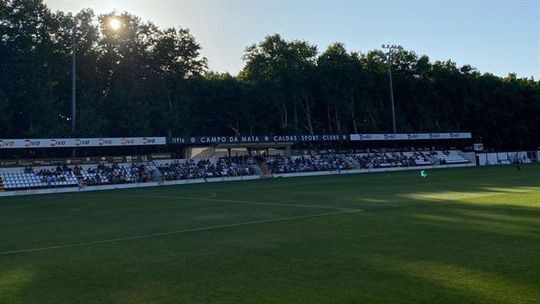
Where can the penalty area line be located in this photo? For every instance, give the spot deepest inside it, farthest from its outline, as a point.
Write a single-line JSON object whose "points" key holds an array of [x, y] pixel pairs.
{"points": [[153, 235]]}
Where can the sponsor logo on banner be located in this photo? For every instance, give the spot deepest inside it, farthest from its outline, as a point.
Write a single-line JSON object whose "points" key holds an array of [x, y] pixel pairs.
{"points": [[58, 142], [7, 143], [85, 142], [32, 143], [148, 141], [412, 136], [126, 142]]}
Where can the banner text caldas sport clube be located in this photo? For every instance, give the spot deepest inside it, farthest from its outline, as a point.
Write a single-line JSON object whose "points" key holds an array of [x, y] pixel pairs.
{"points": [[201, 140]]}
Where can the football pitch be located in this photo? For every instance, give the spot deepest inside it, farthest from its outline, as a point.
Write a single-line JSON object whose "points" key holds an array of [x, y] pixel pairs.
{"points": [[468, 235]]}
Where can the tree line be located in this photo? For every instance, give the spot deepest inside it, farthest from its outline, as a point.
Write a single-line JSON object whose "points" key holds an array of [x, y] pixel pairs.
{"points": [[143, 80]]}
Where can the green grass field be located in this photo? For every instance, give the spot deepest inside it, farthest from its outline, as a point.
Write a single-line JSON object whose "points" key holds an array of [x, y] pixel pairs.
{"points": [[459, 236]]}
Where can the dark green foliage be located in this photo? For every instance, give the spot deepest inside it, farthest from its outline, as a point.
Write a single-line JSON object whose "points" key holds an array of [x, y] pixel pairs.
{"points": [[144, 80], [458, 236]]}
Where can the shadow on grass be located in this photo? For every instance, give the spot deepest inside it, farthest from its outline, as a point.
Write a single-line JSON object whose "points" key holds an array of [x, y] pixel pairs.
{"points": [[459, 237]]}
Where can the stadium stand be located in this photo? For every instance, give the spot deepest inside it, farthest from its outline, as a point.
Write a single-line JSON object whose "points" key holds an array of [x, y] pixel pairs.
{"points": [[505, 158], [113, 174], [57, 177], [519, 158], [206, 168], [394, 159], [449, 157], [340, 162], [305, 163], [14, 179]]}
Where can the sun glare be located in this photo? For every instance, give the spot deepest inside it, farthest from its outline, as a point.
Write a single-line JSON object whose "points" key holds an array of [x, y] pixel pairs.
{"points": [[115, 24]]}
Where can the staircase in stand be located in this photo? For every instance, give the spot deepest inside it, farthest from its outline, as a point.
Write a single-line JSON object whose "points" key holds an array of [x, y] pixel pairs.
{"points": [[1, 185], [153, 170]]}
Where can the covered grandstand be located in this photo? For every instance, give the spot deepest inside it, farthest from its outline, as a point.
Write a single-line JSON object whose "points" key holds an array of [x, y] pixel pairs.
{"points": [[109, 163], [105, 163]]}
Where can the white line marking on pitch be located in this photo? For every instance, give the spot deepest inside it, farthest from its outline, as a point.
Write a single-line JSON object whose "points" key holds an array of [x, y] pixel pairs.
{"points": [[152, 235], [211, 198], [212, 195]]}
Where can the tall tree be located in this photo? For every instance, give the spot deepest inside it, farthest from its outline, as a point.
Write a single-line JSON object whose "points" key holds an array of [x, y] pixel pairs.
{"points": [[284, 68]]}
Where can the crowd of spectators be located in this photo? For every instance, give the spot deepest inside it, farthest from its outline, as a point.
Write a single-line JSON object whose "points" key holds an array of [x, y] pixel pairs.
{"points": [[229, 167], [307, 163], [339, 162], [54, 175], [193, 169], [114, 174], [95, 175], [394, 159]]}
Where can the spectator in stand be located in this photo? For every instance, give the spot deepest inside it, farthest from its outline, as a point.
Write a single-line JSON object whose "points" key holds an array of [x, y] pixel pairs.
{"points": [[114, 174], [191, 169], [306, 163]]}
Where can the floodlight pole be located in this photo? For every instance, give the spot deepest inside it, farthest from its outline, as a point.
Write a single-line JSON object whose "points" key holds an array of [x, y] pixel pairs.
{"points": [[73, 81], [392, 96], [390, 48]]}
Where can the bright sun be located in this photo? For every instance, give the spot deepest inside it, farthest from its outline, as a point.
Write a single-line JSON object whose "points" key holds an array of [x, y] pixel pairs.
{"points": [[115, 24]]}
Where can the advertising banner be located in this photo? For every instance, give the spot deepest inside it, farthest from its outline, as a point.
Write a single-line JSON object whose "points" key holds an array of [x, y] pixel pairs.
{"points": [[80, 142], [410, 136]]}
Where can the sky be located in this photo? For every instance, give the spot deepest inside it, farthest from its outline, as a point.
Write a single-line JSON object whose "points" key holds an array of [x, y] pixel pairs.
{"points": [[499, 37]]}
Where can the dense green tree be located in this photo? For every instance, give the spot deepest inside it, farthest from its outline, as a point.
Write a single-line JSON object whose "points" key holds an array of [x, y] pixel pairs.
{"points": [[28, 53], [284, 68], [143, 80]]}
